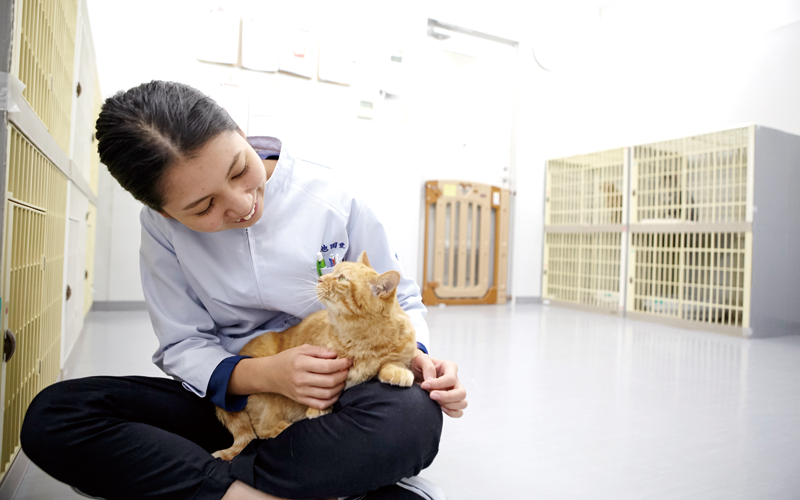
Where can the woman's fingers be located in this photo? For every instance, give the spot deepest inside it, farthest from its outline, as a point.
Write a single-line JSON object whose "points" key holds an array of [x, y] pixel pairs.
{"points": [[319, 404], [325, 381], [454, 395], [447, 376], [453, 413], [316, 351], [324, 366], [458, 405]]}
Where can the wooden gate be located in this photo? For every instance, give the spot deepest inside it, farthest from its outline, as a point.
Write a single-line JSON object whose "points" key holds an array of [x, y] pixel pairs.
{"points": [[466, 243]]}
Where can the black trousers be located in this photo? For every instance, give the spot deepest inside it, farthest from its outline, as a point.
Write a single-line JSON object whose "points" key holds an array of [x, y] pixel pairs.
{"points": [[140, 437]]}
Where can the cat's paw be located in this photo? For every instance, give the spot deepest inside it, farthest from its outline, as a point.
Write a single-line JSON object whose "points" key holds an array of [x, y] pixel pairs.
{"points": [[226, 455], [314, 413], [396, 375]]}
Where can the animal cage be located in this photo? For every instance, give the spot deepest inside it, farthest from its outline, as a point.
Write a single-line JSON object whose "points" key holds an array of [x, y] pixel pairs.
{"points": [[46, 41], [40, 171], [32, 281], [584, 243], [466, 243], [702, 278], [584, 268], [701, 178], [587, 189], [710, 239]]}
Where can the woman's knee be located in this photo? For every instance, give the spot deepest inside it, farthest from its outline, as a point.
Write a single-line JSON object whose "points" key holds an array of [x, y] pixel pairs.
{"points": [[35, 435], [410, 422]]}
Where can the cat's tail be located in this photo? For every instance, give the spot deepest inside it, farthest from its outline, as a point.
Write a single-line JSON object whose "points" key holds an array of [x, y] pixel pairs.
{"points": [[239, 425]]}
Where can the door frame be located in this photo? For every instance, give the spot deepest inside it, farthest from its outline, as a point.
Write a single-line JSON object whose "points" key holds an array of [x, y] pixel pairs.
{"points": [[512, 154]]}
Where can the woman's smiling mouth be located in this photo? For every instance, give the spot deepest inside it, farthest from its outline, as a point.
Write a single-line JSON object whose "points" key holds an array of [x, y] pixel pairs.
{"points": [[250, 215]]}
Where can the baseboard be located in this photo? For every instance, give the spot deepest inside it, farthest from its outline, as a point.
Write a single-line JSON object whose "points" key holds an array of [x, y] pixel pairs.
{"points": [[527, 300], [13, 478], [119, 305]]}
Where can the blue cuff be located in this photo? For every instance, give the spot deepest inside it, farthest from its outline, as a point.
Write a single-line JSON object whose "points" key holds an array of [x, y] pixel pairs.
{"points": [[218, 386], [422, 347]]}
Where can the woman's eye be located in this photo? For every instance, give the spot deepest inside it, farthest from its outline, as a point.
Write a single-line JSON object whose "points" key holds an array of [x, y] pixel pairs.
{"points": [[342, 278], [207, 210], [244, 171]]}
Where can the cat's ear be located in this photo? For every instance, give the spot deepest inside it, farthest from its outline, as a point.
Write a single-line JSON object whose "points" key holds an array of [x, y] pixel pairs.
{"points": [[383, 285], [362, 259]]}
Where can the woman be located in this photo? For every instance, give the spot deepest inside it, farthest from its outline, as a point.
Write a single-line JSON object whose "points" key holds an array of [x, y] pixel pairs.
{"points": [[230, 229]]}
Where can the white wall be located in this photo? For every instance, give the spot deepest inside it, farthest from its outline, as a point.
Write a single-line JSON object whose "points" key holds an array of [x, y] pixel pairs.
{"points": [[643, 70], [654, 70]]}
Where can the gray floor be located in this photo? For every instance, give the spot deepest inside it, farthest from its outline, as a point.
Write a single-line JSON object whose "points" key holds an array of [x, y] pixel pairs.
{"points": [[566, 404]]}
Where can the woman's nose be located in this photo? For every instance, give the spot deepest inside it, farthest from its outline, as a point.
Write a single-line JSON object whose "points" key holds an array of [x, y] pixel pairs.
{"points": [[240, 205]]}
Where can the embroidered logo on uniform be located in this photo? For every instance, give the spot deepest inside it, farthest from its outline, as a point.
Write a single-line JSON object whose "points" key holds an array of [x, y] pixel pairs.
{"points": [[341, 245], [334, 245], [324, 249]]}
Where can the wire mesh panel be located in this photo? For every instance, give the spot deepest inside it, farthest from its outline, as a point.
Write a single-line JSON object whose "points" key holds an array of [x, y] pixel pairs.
{"points": [[697, 277], [700, 178], [32, 281], [46, 54], [586, 189], [583, 268]]}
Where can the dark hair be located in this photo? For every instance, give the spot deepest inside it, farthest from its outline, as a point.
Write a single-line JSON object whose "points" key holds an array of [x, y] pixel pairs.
{"points": [[143, 131]]}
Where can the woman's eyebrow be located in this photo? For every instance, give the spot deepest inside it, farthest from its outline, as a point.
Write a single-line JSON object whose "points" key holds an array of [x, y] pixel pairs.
{"points": [[233, 164]]}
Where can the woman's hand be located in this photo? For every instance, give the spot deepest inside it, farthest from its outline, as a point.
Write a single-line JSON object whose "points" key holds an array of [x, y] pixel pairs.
{"points": [[440, 378], [307, 374]]}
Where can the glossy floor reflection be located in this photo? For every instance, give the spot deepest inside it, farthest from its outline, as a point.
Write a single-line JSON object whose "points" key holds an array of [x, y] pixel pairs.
{"points": [[567, 404]]}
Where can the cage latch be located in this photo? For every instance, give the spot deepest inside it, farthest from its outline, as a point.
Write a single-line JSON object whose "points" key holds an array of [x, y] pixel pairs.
{"points": [[9, 345]]}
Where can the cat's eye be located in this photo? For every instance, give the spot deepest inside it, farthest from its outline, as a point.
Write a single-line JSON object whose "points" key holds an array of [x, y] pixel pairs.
{"points": [[342, 278]]}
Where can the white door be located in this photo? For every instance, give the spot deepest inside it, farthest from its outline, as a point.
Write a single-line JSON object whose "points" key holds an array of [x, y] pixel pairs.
{"points": [[464, 107], [76, 270]]}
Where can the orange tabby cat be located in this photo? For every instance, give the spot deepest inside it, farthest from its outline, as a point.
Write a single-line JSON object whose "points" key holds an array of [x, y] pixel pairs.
{"points": [[363, 322]]}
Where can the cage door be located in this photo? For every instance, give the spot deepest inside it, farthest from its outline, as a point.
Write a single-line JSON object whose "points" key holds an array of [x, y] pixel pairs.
{"points": [[22, 281]]}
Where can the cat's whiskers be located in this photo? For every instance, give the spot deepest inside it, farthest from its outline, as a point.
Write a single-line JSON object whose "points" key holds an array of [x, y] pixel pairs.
{"points": [[314, 282], [314, 301], [306, 295]]}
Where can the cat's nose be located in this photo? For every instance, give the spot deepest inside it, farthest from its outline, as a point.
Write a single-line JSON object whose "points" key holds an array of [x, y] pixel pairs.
{"points": [[319, 280]]}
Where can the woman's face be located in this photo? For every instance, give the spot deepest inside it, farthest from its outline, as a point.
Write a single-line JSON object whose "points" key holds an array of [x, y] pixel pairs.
{"points": [[221, 188]]}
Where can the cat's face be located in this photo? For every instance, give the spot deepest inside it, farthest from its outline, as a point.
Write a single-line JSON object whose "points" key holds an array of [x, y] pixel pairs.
{"points": [[356, 290]]}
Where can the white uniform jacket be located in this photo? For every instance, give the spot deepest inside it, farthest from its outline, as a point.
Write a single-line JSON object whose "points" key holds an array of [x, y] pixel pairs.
{"points": [[209, 293]]}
